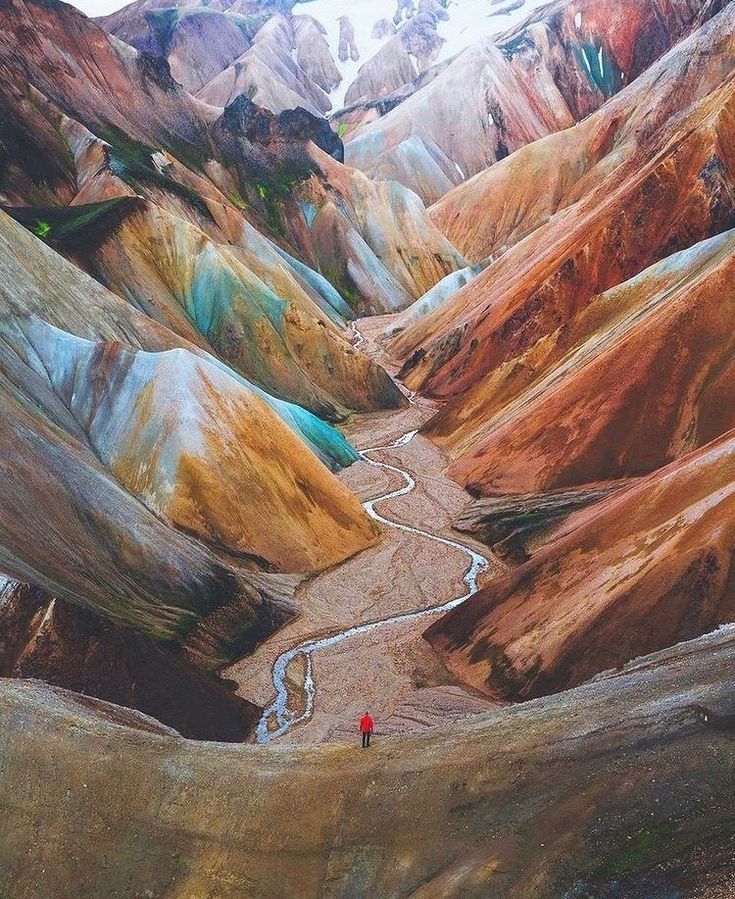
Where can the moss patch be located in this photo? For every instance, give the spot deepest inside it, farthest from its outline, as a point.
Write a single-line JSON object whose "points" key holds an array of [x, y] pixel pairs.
{"points": [[74, 227], [640, 851], [132, 162]]}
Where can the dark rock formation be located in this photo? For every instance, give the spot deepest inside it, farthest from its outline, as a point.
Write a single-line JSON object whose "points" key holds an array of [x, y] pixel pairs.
{"points": [[59, 643], [347, 46], [514, 524]]}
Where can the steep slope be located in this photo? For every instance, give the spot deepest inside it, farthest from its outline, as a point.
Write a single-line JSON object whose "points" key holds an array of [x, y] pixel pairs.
{"points": [[45, 638], [198, 42], [105, 84], [373, 239], [83, 416], [638, 571], [360, 35], [191, 442], [221, 170], [242, 304], [269, 74], [311, 363], [498, 207], [675, 189], [622, 787], [639, 377], [501, 94]]}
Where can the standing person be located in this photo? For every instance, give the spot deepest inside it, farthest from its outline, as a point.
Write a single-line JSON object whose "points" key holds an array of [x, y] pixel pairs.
{"points": [[366, 728]]}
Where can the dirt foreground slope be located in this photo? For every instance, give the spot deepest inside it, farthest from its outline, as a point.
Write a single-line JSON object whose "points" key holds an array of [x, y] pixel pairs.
{"points": [[612, 789]]}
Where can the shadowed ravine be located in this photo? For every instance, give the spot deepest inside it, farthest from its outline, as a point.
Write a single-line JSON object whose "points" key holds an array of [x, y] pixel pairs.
{"points": [[279, 717]]}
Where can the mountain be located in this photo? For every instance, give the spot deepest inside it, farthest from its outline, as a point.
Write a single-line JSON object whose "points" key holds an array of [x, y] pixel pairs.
{"points": [[639, 377], [269, 75], [152, 442], [658, 178], [243, 304], [504, 92], [642, 569], [197, 161], [494, 240]]}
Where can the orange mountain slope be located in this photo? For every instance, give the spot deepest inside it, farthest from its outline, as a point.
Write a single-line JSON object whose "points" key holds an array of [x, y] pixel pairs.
{"points": [[674, 189], [639, 377], [638, 571]]}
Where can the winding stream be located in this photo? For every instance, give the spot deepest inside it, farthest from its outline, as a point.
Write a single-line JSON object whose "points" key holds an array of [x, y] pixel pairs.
{"points": [[279, 715]]}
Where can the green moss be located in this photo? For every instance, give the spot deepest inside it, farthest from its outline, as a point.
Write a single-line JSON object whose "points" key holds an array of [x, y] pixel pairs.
{"points": [[272, 189], [237, 200], [132, 162], [42, 229], [249, 25], [71, 227], [341, 130], [639, 851]]}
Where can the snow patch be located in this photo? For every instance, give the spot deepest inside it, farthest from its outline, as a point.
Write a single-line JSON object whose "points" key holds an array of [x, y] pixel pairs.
{"points": [[578, 20], [469, 21]]}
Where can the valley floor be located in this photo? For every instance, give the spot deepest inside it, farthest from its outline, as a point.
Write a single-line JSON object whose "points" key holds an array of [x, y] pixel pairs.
{"points": [[391, 671]]}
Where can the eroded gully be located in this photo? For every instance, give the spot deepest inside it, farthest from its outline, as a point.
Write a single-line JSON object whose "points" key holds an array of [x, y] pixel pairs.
{"points": [[279, 717]]}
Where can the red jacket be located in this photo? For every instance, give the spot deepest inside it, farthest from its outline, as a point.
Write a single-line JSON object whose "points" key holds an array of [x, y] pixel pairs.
{"points": [[366, 724]]}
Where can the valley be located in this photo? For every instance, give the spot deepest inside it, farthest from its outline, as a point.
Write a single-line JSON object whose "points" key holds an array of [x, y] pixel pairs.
{"points": [[379, 660], [367, 367]]}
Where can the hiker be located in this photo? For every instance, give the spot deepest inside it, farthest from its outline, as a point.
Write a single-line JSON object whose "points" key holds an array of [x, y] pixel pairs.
{"points": [[366, 728]]}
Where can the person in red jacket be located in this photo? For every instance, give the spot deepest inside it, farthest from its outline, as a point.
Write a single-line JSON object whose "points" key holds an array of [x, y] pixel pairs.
{"points": [[366, 728]]}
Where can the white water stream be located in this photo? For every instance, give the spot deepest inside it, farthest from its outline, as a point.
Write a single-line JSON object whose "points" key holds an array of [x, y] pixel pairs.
{"points": [[278, 718]]}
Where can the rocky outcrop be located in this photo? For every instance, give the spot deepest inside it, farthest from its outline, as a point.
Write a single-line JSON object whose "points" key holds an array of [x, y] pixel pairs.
{"points": [[503, 93], [197, 42], [515, 524], [624, 785], [347, 47], [313, 54], [643, 569], [45, 638]]}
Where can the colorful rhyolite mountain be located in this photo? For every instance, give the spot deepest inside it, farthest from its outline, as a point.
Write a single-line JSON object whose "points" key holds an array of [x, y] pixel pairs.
{"points": [[504, 93], [590, 381], [644, 177], [184, 476]]}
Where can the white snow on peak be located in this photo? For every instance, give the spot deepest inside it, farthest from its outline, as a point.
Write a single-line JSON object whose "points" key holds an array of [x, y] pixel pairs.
{"points": [[469, 21], [578, 20]]}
